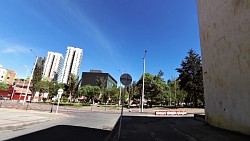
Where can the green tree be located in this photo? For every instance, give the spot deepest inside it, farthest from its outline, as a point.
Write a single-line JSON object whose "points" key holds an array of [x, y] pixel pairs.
{"points": [[153, 85], [148, 85], [191, 77], [72, 86], [90, 92], [175, 93], [42, 86], [112, 94], [37, 74], [53, 88], [133, 91], [3, 86], [102, 83]]}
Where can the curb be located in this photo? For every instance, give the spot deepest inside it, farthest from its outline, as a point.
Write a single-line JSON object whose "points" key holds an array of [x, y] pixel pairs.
{"points": [[20, 125], [16, 126], [113, 135], [200, 117]]}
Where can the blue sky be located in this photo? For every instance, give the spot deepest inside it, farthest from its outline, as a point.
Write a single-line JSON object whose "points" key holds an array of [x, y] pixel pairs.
{"points": [[112, 33]]}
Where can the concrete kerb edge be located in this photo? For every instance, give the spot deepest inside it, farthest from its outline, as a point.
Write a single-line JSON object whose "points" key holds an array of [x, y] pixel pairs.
{"points": [[200, 117], [113, 135], [21, 125]]}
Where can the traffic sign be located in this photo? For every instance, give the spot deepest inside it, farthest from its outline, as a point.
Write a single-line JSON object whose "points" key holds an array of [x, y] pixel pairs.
{"points": [[60, 91], [126, 79], [59, 95]]}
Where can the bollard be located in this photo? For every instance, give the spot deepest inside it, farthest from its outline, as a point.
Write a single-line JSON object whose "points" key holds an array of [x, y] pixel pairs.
{"points": [[51, 109]]}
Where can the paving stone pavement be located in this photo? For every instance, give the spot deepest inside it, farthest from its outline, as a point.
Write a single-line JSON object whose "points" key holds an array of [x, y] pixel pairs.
{"points": [[11, 119]]}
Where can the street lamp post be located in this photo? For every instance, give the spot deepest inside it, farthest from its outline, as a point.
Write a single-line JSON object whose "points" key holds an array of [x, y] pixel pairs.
{"points": [[143, 77], [23, 82], [30, 78]]}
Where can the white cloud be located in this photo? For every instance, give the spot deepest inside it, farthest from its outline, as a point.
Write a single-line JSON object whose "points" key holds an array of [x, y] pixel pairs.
{"points": [[12, 48], [91, 29]]}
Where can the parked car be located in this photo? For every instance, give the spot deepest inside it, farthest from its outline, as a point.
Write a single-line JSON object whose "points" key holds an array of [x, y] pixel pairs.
{"points": [[3, 98]]}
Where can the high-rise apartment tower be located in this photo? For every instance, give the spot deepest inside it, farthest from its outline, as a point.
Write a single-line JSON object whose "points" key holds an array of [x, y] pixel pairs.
{"points": [[52, 66], [72, 63]]}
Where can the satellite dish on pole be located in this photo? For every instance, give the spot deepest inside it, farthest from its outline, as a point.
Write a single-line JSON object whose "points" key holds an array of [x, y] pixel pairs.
{"points": [[126, 79]]}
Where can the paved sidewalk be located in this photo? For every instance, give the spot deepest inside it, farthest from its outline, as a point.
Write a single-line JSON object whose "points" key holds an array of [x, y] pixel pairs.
{"points": [[11, 119], [144, 128]]}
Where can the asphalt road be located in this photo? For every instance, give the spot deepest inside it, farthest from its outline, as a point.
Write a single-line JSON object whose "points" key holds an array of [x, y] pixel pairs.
{"points": [[78, 126], [97, 125]]}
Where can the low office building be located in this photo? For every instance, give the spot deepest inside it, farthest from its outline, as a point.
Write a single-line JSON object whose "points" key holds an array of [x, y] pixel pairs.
{"points": [[92, 78]]}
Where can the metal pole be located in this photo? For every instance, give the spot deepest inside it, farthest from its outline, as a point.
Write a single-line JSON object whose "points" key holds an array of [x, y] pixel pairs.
{"points": [[170, 100], [120, 95], [123, 96], [57, 104], [143, 77], [119, 102], [175, 92], [23, 82], [24, 100], [13, 92]]}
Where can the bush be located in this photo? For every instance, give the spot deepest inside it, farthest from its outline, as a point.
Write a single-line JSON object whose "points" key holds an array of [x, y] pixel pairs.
{"points": [[65, 99], [71, 104], [44, 99]]}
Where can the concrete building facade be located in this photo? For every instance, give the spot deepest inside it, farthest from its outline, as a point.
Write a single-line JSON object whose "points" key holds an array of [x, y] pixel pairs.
{"points": [[52, 66], [225, 44], [2, 74], [7, 76], [10, 76], [72, 63]]}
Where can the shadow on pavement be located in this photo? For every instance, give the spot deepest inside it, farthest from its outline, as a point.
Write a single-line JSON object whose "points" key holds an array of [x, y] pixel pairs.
{"points": [[171, 129], [64, 132]]}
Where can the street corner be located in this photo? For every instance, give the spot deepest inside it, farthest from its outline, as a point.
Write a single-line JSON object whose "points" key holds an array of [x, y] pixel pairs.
{"points": [[12, 119]]}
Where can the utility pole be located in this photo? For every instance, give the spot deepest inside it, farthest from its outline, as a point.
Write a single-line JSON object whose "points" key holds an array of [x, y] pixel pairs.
{"points": [[143, 77], [24, 100]]}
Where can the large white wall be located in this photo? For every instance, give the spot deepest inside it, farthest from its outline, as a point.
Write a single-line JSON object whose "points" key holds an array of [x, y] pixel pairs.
{"points": [[225, 44]]}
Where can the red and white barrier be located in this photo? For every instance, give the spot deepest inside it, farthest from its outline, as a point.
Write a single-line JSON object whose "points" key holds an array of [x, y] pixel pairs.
{"points": [[170, 112]]}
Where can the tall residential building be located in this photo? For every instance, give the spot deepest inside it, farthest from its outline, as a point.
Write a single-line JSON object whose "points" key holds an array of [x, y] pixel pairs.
{"points": [[52, 66], [72, 63]]}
